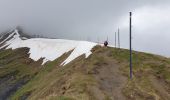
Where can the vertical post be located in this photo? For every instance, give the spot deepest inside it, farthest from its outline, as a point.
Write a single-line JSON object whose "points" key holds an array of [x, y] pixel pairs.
{"points": [[115, 40], [98, 40], [118, 39], [130, 31]]}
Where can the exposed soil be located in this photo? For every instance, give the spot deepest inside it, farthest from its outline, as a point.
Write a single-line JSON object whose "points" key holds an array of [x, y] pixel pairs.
{"points": [[110, 79], [160, 87]]}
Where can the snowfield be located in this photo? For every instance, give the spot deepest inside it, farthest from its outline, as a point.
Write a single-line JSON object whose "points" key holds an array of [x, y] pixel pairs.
{"points": [[49, 49]]}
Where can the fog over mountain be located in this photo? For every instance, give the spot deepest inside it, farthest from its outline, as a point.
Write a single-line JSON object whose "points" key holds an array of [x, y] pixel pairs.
{"points": [[93, 20]]}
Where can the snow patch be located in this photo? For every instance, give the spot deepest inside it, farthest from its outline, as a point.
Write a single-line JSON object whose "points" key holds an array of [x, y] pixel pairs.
{"points": [[50, 49], [82, 47]]}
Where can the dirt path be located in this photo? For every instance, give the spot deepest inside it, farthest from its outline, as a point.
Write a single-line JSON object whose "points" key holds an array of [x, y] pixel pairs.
{"points": [[160, 87], [111, 81]]}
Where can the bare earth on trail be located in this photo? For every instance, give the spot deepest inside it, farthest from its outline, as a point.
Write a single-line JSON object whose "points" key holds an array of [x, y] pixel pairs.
{"points": [[111, 80], [160, 87]]}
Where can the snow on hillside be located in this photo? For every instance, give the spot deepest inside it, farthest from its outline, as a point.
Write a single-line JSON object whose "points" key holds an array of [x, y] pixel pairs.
{"points": [[49, 49]]}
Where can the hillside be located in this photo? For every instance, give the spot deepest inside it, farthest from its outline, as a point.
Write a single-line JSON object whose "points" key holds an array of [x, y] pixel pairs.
{"points": [[100, 75], [48, 49]]}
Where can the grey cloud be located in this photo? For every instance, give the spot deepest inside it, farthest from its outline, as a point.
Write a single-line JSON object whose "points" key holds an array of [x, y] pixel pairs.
{"points": [[76, 19]]}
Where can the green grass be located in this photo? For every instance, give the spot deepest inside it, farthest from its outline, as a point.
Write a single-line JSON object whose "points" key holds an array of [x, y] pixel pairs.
{"points": [[68, 81], [48, 77], [144, 66], [11, 61], [72, 82], [14, 63], [37, 82]]}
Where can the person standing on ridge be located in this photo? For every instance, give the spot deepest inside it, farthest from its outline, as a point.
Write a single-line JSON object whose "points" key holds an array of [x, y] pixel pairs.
{"points": [[105, 43]]}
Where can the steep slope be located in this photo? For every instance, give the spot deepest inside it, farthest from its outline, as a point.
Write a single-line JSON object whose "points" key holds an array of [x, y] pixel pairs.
{"points": [[48, 49], [16, 69], [104, 75]]}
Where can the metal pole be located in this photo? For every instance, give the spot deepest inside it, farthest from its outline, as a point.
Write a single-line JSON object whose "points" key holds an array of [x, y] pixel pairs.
{"points": [[130, 30], [98, 40], [115, 40], [118, 39]]}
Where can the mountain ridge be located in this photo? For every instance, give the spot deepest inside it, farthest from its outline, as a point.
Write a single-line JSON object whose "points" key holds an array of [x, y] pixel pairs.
{"points": [[103, 75], [39, 47]]}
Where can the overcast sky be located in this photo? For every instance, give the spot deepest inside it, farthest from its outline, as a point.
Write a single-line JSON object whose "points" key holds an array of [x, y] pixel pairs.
{"points": [[93, 20]]}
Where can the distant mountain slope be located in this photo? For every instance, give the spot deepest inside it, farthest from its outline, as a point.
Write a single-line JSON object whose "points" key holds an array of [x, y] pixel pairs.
{"points": [[16, 69], [104, 75], [49, 49]]}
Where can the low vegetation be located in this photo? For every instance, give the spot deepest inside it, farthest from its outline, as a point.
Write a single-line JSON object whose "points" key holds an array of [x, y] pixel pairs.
{"points": [[104, 75]]}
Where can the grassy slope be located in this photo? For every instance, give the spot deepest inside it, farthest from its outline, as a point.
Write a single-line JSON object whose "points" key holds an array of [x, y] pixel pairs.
{"points": [[16, 69], [151, 75], [102, 76], [11, 61]]}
